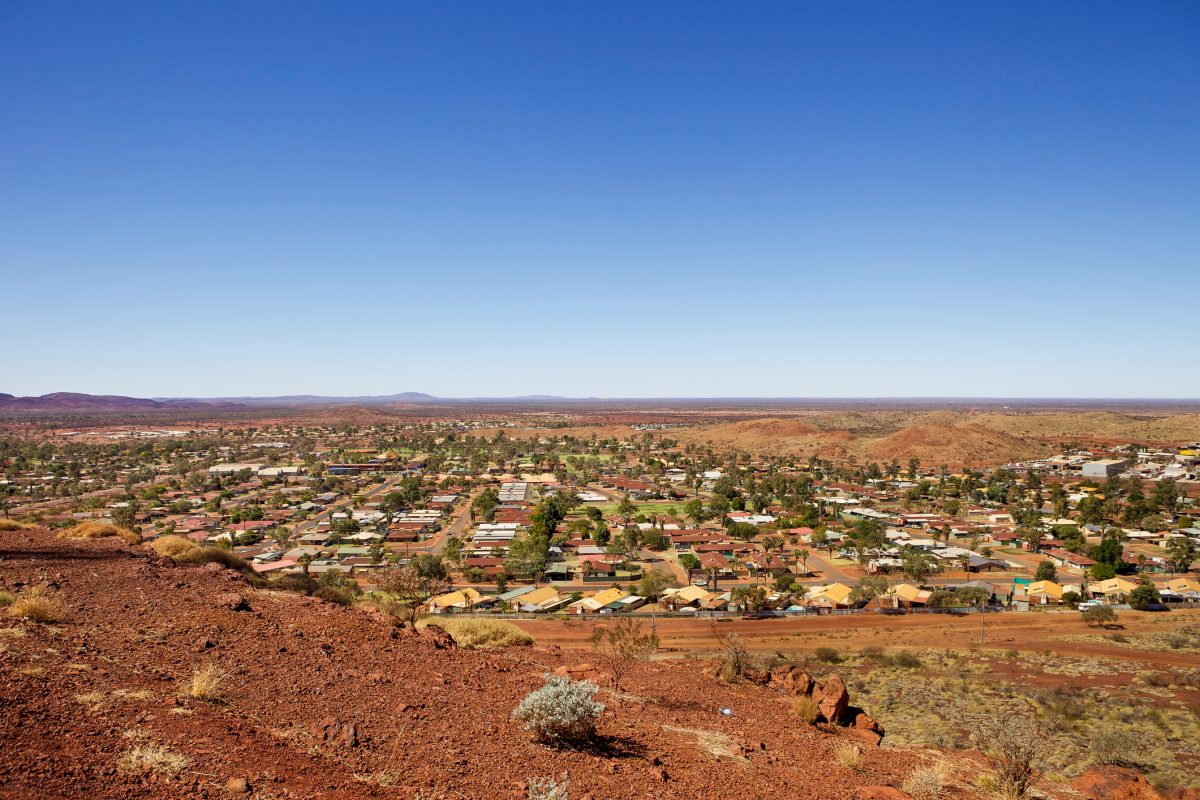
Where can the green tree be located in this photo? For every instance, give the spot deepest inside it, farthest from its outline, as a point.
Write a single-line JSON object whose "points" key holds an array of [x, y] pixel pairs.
{"points": [[1181, 552], [528, 556], [749, 598], [1045, 571], [1102, 616], [627, 508], [1143, 596], [868, 589], [652, 584]]}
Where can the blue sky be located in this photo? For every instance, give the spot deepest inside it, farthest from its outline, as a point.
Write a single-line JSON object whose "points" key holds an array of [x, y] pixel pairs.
{"points": [[605, 199]]}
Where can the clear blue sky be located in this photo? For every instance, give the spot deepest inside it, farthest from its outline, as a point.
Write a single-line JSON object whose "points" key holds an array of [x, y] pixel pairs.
{"points": [[601, 198]]}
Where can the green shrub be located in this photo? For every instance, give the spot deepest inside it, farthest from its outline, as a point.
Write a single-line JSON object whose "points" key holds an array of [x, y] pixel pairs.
{"points": [[1100, 615], [906, 660], [295, 582], [828, 655], [335, 594]]}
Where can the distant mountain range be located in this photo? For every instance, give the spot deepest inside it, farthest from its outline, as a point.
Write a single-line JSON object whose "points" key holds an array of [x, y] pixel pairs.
{"points": [[76, 401], [79, 402]]}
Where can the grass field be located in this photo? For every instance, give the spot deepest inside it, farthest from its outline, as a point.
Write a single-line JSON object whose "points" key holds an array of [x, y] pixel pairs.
{"points": [[648, 507]]}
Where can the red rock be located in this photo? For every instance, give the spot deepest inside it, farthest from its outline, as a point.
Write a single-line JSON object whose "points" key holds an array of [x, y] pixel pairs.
{"points": [[832, 699], [866, 736], [1115, 783], [438, 637], [792, 679], [232, 601], [237, 786], [882, 793]]}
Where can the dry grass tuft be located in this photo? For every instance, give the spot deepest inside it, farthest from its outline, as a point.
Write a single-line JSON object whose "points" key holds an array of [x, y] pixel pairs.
{"points": [[217, 555], [37, 604], [711, 743], [384, 778], [483, 634], [205, 684], [805, 709], [927, 781], [95, 529], [847, 754], [14, 525], [173, 545], [6, 599], [146, 755], [93, 700]]}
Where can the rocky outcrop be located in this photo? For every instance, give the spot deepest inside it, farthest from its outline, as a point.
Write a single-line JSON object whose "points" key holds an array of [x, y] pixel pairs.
{"points": [[792, 679], [440, 638], [832, 699], [1115, 783]]}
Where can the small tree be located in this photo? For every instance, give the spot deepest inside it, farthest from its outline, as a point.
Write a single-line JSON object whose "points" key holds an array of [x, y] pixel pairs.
{"points": [[409, 589], [652, 584], [749, 598], [1045, 571], [1102, 616], [1016, 750], [1143, 596], [622, 645]]}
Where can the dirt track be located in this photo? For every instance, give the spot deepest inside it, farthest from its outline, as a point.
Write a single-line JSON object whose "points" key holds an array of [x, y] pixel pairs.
{"points": [[1034, 631]]}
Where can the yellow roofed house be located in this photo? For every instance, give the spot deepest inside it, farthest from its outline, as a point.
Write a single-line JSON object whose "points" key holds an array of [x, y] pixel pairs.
{"points": [[904, 595], [1112, 587], [457, 600], [837, 594], [1044, 593], [687, 596], [1184, 586], [593, 603]]}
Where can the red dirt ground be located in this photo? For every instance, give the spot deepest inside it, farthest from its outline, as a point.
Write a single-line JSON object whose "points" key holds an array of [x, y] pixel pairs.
{"points": [[1035, 631], [436, 721]]}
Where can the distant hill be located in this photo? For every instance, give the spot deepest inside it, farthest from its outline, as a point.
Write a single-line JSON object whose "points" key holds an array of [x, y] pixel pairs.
{"points": [[75, 401], [79, 402], [326, 400]]}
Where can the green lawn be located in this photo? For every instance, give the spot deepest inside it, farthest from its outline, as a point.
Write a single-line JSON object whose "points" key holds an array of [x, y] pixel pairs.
{"points": [[648, 507]]}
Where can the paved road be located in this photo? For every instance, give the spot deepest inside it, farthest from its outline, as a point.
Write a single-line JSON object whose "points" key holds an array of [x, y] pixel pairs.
{"points": [[457, 527], [327, 514]]}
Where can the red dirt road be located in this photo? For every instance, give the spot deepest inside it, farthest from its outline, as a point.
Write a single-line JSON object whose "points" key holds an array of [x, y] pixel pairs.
{"points": [[1034, 631]]}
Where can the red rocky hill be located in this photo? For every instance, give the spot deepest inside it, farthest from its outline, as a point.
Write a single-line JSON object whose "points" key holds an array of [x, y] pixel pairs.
{"points": [[333, 702]]}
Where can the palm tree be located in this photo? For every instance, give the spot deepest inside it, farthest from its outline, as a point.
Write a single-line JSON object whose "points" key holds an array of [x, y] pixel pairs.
{"points": [[802, 556]]}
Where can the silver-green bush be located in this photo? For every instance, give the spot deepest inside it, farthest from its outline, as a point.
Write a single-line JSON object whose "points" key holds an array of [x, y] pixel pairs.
{"points": [[562, 711]]}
